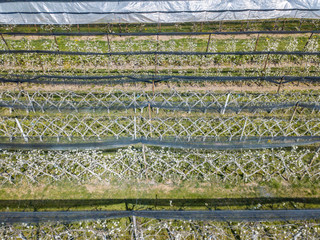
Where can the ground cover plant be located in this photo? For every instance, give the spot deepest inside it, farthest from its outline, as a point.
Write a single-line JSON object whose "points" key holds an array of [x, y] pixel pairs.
{"points": [[160, 229]]}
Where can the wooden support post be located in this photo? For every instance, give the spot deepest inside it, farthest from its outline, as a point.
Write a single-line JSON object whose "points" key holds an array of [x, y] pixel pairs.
{"points": [[149, 108], [308, 41], [135, 127], [314, 157], [257, 41], [208, 44], [108, 39], [135, 102], [156, 56], [158, 42], [120, 28], [145, 161], [292, 116], [109, 45], [132, 233], [225, 105], [78, 27], [283, 24], [156, 64], [21, 130], [135, 227], [244, 126], [7, 45], [280, 85], [5, 42], [55, 40], [275, 24], [248, 24], [30, 101], [300, 24], [294, 112], [265, 64], [40, 61]]}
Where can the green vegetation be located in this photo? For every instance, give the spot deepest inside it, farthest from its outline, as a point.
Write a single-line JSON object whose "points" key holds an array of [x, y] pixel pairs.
{"points": [[111, 196], [209, 65], [154, 173], [144, 173], [251, 25]]}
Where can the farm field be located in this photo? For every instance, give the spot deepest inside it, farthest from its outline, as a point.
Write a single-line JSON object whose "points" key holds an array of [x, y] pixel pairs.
{"points": [[161, 117], [260, 87]]}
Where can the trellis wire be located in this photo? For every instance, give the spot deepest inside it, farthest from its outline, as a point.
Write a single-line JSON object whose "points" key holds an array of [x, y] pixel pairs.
{"points": [[155, 33], [174, 100], [172, 11], [109, 79], [298, 53], [202, 127], [144, 228], [92, 132], [174, 142], [112, 132], [163, 203], [160, 165], [216, 216], [159, 105]]}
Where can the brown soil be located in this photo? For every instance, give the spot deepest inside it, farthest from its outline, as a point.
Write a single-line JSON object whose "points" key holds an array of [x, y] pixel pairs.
{"points": [[112, 66], [220, 87]]}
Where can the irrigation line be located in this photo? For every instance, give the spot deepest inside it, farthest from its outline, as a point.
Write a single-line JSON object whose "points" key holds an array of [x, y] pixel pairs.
{"points": [[154, 33], [175, 53], [174, 106], [218, 216], [172, 142], [116, 79]]}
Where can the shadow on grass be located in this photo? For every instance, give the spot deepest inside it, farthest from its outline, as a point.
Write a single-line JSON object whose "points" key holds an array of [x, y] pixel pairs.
{"points": [[129, 204]]}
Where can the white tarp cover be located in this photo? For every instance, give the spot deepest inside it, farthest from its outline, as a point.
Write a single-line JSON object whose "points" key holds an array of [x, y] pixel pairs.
{"points": [[144, 11]]}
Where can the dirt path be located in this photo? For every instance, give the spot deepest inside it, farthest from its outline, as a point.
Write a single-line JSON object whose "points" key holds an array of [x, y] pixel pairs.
{"points": [[218, 87]]}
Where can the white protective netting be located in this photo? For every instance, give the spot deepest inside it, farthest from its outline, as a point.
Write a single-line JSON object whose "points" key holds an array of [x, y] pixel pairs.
{"points": [[143, 11]]}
